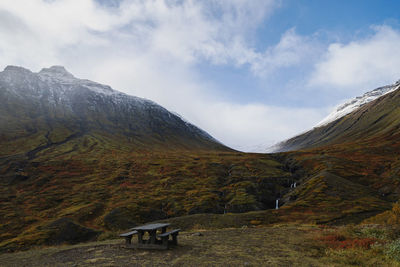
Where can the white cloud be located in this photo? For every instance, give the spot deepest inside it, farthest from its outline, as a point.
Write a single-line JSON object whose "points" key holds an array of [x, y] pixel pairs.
{"points": [[245, 125], [151, 48], [34, 33], [292, 50], [361, 64], [216, 30]]}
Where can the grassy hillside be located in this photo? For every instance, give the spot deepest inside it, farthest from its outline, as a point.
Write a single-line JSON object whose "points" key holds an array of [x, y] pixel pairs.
{"points": [[108, 189], [104, 186], [353, 162], [367, 167], [360, 177], [107, 186]]}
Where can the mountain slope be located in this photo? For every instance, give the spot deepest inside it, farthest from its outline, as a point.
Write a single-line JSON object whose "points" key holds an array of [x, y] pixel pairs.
{"points": [[352, 164], [369, 119], [52, 107], [358, 102]]}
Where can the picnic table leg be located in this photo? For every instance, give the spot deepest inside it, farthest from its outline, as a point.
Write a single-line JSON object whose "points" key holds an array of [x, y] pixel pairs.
{"points": [[153, 235], [128, 240], [175, 238], [140, 237], [164, 229], [165, 241]]}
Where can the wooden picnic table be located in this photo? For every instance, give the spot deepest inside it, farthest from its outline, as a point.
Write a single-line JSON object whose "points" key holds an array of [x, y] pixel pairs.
{"points": [[152, 242]]}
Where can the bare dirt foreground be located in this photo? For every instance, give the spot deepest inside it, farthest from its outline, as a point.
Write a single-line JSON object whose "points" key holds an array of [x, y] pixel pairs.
{"points": [[266, 246]]}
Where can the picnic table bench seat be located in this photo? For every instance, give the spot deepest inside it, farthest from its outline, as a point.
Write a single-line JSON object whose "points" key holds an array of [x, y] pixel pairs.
{"points": [[169, 233], [128, 236], [165, 237]]}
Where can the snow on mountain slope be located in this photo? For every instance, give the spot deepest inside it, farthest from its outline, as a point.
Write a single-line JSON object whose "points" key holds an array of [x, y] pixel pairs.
{"points": [[341, 111], [57, 81], [358, 102], [56, 94]]}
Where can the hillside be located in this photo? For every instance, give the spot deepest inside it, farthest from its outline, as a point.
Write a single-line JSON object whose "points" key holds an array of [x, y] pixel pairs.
{"points": [[353, 162]]}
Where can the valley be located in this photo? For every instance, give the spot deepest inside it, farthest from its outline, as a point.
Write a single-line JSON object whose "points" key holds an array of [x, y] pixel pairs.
{"points": [[199, 133], [80, 162]]}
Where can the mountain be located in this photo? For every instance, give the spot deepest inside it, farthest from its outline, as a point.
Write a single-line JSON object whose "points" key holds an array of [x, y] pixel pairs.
{"points": [[362, 117], [78, 158], [49, 108]]}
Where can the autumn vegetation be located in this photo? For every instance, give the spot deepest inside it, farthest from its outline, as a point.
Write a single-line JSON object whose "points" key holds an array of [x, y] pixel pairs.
{"points": [[100, 184]]}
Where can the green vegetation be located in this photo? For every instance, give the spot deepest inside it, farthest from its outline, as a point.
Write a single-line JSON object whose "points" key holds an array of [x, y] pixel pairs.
{"points": [[108, 190], [109, 185], [393, 250]]}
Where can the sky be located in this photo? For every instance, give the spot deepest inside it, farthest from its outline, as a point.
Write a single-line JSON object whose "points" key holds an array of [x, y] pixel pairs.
{"points": [[250, 73]]}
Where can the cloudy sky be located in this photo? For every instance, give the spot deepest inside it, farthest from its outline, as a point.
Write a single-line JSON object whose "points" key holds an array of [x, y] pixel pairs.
{"points": [[248, 72]]}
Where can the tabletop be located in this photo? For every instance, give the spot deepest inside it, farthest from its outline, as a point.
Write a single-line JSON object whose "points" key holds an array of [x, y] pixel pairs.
{"points": [[152, 226]]}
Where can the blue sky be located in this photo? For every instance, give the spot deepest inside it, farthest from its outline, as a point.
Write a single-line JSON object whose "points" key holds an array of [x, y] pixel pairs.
{"points": [[331, 21], [249, 72], [341, 17]]}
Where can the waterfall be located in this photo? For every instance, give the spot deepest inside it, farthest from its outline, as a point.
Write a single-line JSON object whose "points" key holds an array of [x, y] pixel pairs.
{"points": [[277, 204], [294, 185]]}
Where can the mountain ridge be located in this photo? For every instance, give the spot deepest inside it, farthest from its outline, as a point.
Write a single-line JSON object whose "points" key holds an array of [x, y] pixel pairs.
{"points": [[54, 99], [357, 102]]}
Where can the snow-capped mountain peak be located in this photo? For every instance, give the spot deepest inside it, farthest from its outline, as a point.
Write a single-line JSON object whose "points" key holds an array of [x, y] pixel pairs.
{"points": [[59, 75], [56, 72], [15, 69], [15, 72]]}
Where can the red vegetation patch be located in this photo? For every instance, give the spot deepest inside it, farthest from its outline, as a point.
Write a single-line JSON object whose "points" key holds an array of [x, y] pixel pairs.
{"points": [[126, 185], [338, 241]]}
